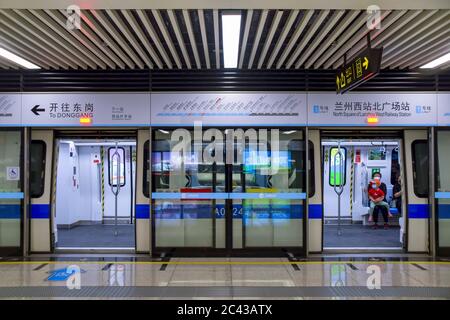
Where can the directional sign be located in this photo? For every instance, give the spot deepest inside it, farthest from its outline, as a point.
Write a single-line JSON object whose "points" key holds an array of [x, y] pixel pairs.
{"points": [[36, 110], [363, 67], [61, 274]]}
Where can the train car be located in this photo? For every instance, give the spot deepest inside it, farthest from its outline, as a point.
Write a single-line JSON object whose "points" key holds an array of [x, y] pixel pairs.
{"points": [[230, 173]]}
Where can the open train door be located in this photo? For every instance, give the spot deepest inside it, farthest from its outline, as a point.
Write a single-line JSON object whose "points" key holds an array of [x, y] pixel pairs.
{"points": [[417, 186], [315, 207], [41, 158]]}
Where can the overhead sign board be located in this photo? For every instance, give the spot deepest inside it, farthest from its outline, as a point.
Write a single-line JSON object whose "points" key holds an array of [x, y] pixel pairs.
{"points": [[228, 108], [389, 109], [96, 109], [10, 113], [444, 109], [361, 68]]}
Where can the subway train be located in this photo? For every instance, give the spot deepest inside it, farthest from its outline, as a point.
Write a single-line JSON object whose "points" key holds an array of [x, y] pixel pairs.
{"points": [[230, 173]]}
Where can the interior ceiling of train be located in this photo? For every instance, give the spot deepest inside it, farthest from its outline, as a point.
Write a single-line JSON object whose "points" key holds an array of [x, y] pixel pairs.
{"points": [[190, 34]]}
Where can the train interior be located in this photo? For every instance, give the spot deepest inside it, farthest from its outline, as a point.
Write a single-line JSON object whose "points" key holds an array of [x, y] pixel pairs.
{"points": [[94, 200], [353, 227]]}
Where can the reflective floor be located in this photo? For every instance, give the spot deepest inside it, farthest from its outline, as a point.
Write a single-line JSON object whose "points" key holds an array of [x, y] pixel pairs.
{"points": [[225, 278]]}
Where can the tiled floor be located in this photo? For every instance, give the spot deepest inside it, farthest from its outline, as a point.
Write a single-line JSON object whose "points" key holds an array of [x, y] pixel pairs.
{"points": [[230, 278]]}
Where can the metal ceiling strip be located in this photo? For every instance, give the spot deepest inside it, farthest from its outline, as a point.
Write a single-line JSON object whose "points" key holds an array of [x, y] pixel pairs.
{"points": [[262, 21], [298, 31], [114, 15], [162, 27], [268, 41], [336, 16]]}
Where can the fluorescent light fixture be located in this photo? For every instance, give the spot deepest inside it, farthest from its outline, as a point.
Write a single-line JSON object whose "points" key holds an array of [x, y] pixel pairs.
{"points": [[16, 59], [231, 30], [437, 62]]}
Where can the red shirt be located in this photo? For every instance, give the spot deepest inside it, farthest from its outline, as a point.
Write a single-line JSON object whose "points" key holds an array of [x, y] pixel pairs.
{"points": [[376, 193]]}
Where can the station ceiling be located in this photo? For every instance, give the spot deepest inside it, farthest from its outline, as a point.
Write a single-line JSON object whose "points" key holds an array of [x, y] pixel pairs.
{"points": [[145, 37]]}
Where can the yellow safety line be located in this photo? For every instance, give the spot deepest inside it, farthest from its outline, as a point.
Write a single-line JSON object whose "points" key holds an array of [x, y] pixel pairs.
{"points": [[226, 262]]}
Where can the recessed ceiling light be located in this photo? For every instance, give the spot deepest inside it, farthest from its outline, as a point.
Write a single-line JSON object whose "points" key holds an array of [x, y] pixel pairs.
{"points": [[437, 62], [16, 59], [231, 29]]}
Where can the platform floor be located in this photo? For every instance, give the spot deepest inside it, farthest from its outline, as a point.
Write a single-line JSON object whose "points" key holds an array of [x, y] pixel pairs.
{"points": [[357, 235], [226, 278], [97, 235]]}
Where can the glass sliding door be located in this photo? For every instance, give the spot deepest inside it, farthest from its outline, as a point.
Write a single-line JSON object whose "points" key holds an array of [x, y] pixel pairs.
{"points": [[268, 190], [11, 196], [443, 192], [234, 190], [187, 192]]}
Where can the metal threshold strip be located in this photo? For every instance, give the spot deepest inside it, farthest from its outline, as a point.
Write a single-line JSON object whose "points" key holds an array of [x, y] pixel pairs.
{"points": [[95, 250]]}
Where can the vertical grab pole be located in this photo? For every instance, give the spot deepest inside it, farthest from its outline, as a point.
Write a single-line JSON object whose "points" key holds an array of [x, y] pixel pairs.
{"points": [[116, 155], [339, 188]]}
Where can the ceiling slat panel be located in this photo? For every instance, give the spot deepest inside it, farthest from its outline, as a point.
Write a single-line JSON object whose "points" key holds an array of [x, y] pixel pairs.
{"points": [[301, 26], [336, 16], [142, 37], [332, 37], [418, 54], [72, 61], [17, 50], [262, 21], [379, 38], [286, 28], [103, 20], [90, 35], [268, 41], [361, 34], [114, 15], [117, 54], [163, 29], [201, 18], [309, 33], [347, 34], [431, 54], [63, 32], [248, 22], [216, 37], [188, 23], [154, 36], [414, 36], [176, 29], [386, 23], [60, 19], [421, 46], [33, 46], [53, 39]]}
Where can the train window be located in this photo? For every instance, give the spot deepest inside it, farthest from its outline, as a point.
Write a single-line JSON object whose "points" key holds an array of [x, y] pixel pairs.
{"points": [[420, 167], [38, 150], [146, 180], [113, 165], [336, 177], [395, 166]]}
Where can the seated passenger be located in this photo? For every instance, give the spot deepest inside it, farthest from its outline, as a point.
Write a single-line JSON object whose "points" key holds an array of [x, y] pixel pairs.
{"points": [[376, 196], [377, 209]]}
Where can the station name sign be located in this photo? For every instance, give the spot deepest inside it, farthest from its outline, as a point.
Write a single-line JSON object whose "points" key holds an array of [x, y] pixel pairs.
{"points": [[363, 67]]}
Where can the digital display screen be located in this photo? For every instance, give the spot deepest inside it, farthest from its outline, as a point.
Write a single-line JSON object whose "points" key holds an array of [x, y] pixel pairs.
{"points": [[257, 160], [377, 154]]}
